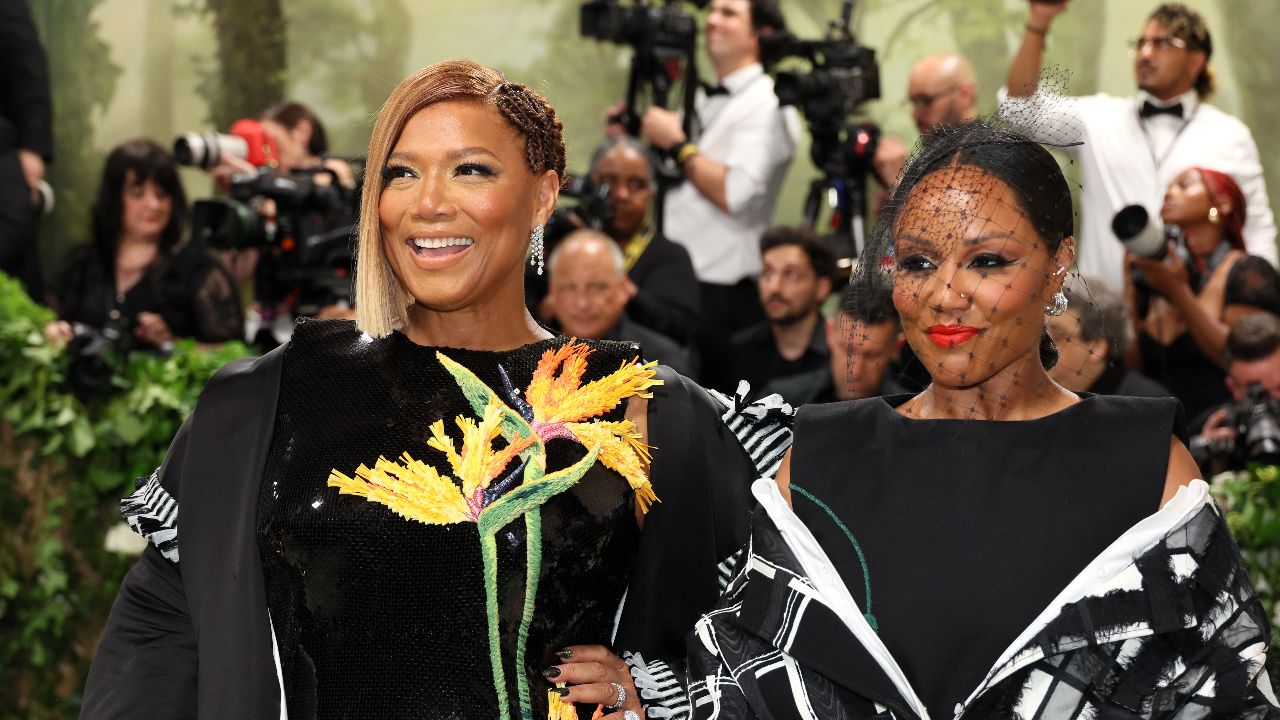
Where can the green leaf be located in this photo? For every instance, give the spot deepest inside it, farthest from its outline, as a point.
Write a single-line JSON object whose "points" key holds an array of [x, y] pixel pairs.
{"points": [[80, 439], [129, 429], [531, 495]]}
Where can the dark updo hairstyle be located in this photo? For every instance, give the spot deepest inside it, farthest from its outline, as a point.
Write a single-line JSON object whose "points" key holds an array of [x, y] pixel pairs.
{"points": [[1011, 157], [137, 161], [289, 114]]}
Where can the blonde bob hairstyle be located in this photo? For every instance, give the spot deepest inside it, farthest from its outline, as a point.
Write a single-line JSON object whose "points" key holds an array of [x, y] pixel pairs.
{"points": [[381, 301]]}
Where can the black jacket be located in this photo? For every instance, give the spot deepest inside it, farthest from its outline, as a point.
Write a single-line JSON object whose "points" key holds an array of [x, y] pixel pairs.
{"points": [[189, 634]]}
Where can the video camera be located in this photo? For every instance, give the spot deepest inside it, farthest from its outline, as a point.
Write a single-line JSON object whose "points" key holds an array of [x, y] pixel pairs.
{"points": [[843, 74], [94, 354], [302, 219], [665, 40]]}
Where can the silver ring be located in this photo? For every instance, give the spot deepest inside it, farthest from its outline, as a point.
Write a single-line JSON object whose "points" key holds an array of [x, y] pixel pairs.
{"points": [[630, 715], [622, 697]]}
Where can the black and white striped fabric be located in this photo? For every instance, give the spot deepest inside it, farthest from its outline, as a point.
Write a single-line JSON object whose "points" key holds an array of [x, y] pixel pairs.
{"points": [[1176, 633], [153, 513], [763, 426], [661, 691]]}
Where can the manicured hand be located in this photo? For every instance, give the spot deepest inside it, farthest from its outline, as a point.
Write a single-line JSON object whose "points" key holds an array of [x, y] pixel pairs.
{"points": [[152, 328], [589, 671]]}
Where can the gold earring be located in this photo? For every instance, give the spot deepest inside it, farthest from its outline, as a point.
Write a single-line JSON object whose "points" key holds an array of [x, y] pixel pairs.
{"points": [[1213, 216]]}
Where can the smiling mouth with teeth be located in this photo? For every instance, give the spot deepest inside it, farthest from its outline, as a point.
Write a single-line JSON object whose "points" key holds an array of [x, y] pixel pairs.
{"points": [[439, 247]]}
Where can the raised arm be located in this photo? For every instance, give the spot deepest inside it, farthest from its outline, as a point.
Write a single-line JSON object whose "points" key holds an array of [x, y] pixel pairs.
{"points": [[1024, 73]]}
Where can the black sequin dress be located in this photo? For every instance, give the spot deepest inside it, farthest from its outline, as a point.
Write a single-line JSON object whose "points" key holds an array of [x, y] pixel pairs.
{"points": [[376, 615]]}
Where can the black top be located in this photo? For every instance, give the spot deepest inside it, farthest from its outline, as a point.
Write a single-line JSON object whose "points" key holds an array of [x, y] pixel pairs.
{"points": [[971, 528], [190, 289], [25, 106], [667, 300], [1183, 367], [351, 584], [656, 346], [756, 358]]}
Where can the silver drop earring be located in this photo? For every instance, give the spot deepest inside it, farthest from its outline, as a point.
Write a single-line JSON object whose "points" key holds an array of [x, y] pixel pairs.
{"points": [[1059, 305], [536, 247]]}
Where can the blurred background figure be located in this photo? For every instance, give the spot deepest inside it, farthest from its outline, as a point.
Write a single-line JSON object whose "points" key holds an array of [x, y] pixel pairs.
{"points": [[661, 286], [138, 281], [863, 343], [588, 290], [26, 143], [1253, 285], [1135, 146], [1093, 336], [795, 282], [1246, 428], [942, 91], [1177, 301]]}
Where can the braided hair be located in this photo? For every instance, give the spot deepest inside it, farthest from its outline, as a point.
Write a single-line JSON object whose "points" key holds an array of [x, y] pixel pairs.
{"points": [[381, 301]]}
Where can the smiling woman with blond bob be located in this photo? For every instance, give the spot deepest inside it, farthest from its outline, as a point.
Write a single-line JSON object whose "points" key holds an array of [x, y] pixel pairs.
{"points": [[438, 510]]}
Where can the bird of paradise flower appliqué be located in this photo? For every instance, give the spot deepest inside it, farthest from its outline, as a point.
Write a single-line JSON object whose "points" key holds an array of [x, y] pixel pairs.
{"points": [[492, 486]]}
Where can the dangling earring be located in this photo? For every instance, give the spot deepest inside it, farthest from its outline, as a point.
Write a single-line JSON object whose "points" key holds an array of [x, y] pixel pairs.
{"points": [[535, 247], [1059, 305], [1213, 216]]}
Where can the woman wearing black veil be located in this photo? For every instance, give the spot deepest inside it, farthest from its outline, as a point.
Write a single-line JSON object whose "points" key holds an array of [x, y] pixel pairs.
{"points": [[995, 546]]}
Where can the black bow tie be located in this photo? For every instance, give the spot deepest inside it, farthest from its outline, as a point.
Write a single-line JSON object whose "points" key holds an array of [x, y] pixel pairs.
{"points": [[1149, 109], [712, 90]]}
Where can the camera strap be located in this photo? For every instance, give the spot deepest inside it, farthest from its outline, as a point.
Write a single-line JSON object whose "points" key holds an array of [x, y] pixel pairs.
{"points": [[1157, 160], [636, 247]]}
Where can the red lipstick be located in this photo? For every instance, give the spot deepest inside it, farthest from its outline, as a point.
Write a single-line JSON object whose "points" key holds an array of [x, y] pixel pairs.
{"points": [[950, 336]]}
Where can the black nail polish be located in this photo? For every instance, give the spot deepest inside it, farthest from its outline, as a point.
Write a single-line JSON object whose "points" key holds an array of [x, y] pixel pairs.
{"points": [[551, 673], [560, 691], [564, 653]]}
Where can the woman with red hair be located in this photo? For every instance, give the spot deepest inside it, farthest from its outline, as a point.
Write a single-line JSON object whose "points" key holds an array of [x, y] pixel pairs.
{"points": [[1181, 334]]}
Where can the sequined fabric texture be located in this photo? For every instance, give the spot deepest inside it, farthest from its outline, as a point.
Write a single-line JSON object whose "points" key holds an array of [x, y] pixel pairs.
{"points": [[379, 616]]}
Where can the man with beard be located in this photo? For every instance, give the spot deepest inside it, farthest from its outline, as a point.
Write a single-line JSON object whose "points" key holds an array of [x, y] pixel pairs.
{"points": [[1133, 147], [796, 279]]}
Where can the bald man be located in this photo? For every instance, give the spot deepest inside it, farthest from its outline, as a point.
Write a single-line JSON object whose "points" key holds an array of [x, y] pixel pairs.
{"points": [[587, 291], [942, 91]]}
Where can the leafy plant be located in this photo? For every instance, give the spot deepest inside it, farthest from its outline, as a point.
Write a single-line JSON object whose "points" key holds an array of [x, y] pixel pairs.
{"points": [[1251, 501], [64, 465]]}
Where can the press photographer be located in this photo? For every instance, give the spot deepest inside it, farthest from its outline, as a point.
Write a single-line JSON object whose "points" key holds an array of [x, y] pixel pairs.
{"points": [[1248, 428], [734, 162], [139, 284], [285, 220]]}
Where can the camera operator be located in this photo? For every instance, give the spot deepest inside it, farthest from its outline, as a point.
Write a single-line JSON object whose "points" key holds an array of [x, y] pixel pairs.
{"points": [[733, 170], [1253, 377], [295, 144], [138, 283]]}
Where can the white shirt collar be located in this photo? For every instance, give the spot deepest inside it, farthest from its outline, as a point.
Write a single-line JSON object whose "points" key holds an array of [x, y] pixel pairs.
{"points": [[738, 79], [1189, 100]]}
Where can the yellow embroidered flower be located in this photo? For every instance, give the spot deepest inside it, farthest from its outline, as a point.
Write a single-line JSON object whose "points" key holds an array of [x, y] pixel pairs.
{"points": [[622, 451], [562, 398], [417, 491]]}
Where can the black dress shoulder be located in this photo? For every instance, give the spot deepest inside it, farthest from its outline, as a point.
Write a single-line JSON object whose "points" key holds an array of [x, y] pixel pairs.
{"points": [[958, 534]]}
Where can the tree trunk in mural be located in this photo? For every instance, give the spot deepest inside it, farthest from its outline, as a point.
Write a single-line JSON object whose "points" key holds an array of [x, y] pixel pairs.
{"points": [[251, 59], [979, 27], [83, 81], [1255, 62], [157, 72]]}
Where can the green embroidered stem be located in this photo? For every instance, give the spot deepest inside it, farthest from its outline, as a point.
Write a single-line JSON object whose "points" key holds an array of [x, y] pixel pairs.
{"points": [[533, 569], [489, 551], [862, 559]]}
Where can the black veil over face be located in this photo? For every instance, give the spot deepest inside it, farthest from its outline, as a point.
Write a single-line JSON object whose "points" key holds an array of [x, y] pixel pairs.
{"points": [[972, 249]]}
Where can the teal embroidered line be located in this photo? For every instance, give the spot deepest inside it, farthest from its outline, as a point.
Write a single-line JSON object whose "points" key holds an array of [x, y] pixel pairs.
{"points": [[862, 559]]}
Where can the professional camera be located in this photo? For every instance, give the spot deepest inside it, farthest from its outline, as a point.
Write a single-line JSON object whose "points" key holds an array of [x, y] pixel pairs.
{"points": [[305, 231], [665, 39], [94, 355], [842, 75], [592, 209], [247, 140], [1256, 421], [1133, 227]]}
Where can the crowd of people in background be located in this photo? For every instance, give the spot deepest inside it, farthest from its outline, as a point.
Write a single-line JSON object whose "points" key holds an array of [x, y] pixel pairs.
{"points": [[712, 288]]}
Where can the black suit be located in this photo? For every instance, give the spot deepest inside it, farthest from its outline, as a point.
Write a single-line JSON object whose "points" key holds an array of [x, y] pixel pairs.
{"points": [[25, 123]]}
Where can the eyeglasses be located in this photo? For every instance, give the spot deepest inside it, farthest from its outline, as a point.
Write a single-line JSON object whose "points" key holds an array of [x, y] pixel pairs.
{"points": [[1156, 44], [923, 101]]}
